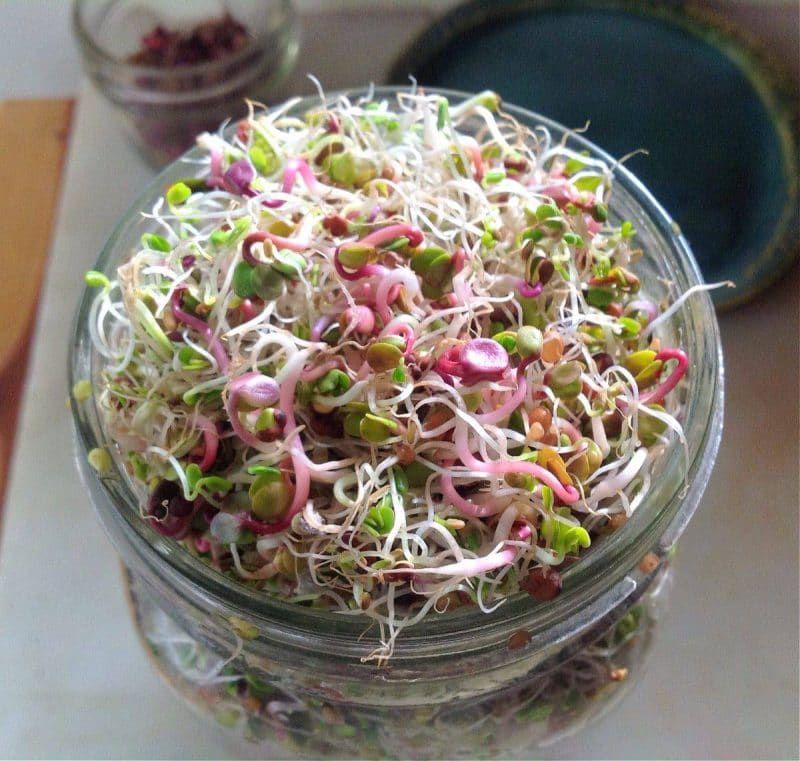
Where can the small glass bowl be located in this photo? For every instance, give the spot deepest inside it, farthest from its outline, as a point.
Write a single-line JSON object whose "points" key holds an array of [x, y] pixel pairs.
{"points": [[162, 108]]}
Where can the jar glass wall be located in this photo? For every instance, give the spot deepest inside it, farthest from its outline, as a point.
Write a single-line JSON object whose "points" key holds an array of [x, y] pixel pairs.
{"points": [[257, 704], [457, 684]]}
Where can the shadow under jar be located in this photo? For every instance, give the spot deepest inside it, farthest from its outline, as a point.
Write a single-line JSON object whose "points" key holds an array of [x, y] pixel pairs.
{"points": [[173, 70], [295, 680]]}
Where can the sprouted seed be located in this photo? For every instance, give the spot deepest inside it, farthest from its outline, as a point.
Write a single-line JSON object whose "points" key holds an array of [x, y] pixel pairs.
{"points": [[82, 390], [387, 359], [100, 460]]}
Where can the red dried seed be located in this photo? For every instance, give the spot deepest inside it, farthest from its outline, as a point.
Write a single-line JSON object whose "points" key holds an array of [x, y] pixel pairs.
{"points": [[208, 41], [543, 583]]}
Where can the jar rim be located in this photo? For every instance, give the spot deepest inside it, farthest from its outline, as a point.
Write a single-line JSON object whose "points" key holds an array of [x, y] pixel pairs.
{"points": [[590, 586]]}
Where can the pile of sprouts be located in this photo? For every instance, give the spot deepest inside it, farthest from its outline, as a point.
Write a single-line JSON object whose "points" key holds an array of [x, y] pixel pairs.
{"points": [[387, 358]]}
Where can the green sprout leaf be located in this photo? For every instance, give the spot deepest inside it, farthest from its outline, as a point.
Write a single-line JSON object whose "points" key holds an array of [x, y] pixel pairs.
{"points": [[156, 242], [243, 280], [100, 460], [333, 383], [178, 193], [82, 390], [574, 165], [589, 182], [442, 113], [95, 279], [564, 538], [257, 470], [151, 326], [380, 519]]}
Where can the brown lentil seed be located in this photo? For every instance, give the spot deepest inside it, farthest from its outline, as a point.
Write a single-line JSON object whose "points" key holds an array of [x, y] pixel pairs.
{"points": [[168, 321], [405, 454], [542, 416], [518, 639], [617, 521], [552, 348], [649, 563], [330, 715], [252, 704], [551, 437], [543, 583]]}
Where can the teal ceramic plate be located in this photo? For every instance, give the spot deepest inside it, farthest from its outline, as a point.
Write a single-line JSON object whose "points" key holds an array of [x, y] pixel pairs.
{"points": [[717, 124]]}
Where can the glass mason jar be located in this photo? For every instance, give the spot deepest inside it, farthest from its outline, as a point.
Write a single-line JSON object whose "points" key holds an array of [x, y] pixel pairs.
{"points": [[163, 107], [295, 680]]}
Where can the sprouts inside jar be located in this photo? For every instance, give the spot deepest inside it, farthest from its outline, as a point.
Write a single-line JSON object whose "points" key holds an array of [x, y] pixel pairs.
{"points": [[387, 358]]}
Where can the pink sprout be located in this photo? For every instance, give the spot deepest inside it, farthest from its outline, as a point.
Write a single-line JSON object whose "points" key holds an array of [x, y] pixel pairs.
{"points": [[505, 409], [564, 426], [643, 305], [248, 309], [256, 390], [367, 270], [466, 506], [215, 169], [238, 177], [566, 193], [390, 278], [300, 463], [314, 373], [477, 159], [210, 441], [567, 494], [280, 241], [659, 392], [294, 167], [402, 329], [450, 362], [459, 258], [528, 291], [320, 326], [214, 344], [392, 232], [394, 293], [482, 359], [360, 318], [474, 566]]}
